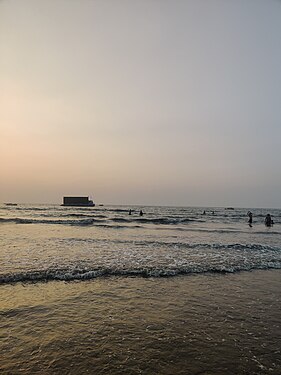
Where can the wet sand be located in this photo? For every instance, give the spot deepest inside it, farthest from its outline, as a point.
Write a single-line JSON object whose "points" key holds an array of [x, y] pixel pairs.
{"points": [[197, 324]]}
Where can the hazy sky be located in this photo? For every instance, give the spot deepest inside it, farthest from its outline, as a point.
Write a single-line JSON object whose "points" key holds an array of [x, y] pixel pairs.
{"points": [[141, 101]]}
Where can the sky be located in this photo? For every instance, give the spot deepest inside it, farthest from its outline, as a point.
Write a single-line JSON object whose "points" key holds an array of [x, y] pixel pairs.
{"points": [[150, 102]]}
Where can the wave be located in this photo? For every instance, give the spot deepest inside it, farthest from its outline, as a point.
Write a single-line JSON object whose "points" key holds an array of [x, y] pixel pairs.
{"points": [[112, 226], [210, 246], [178, 245], [160, 220], [164, 220], [92, 218], [116, 210], [84, 215], [101, 222], [20, 208], [267, 232], [88, 274], [18, 220]]}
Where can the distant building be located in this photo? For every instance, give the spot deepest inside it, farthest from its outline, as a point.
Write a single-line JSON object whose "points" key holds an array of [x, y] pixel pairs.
{"points": [[78, 202]]}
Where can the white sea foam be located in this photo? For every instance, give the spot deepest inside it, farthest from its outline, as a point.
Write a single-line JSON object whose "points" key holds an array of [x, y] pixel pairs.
{"points": [[62, 243]]}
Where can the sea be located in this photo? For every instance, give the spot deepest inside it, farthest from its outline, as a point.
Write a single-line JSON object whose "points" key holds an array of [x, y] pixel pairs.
{"points": [[179, 290]]}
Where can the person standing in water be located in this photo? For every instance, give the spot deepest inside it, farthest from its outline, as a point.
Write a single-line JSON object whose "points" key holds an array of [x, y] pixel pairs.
{"points": [[141, 213], [250, 217], [268, 220]]}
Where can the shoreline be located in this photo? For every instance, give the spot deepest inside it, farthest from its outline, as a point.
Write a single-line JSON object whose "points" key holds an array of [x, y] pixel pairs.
{"points": [[212, 324]]}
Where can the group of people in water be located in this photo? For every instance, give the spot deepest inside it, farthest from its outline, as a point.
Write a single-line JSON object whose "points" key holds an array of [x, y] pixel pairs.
{"points": [[204, 212], [267, 221], [141, 212]]}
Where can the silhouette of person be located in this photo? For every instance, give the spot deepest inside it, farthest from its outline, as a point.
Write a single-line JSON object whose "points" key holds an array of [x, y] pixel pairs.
{"points": [[268, 220], [141, 213], [204, 212], [250, 217], [130, 212]]}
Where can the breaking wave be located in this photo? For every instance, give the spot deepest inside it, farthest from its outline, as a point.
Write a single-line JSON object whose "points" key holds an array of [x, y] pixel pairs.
{"points": [[160, 220], [18, 220], [88, 274]]}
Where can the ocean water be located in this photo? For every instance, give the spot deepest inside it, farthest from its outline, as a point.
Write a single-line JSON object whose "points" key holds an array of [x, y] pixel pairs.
{"points": [[99, 291], [66, 243]]}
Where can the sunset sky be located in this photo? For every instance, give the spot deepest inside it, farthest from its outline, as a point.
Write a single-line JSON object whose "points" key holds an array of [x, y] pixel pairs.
{"points": [[149, 102]]}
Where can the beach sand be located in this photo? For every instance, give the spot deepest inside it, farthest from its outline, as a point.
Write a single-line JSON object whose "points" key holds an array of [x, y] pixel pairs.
{"points": [[194, 324]]}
